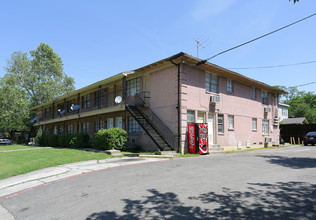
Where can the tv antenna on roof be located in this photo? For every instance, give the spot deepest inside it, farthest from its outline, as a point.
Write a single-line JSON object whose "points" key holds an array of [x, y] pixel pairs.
{"points": [[200, 43]]}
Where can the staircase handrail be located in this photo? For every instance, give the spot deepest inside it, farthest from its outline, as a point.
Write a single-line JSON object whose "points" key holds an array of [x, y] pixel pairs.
{"points": [[164, 131]]}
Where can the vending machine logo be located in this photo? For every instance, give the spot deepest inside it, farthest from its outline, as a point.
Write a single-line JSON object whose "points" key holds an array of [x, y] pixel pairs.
{"points": [[191, 137], [203, 138]]}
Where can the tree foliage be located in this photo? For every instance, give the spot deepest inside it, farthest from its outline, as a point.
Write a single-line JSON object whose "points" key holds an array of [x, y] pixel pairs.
{"points": [[30, 79], [14, 107], [40, 75], [302, 104]]}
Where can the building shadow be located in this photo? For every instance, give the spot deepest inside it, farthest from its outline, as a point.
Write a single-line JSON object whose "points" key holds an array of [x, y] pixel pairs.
{"points": [[292, 200], [292, 162]]}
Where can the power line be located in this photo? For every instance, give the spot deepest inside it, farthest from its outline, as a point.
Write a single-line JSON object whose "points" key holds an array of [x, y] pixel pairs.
{"points": [[225, 51], [275, 66], [302, 85]]}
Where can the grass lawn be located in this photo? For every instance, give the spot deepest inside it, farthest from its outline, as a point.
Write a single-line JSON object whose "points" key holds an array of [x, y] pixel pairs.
{"points": [[13, 147], [20, 162]]}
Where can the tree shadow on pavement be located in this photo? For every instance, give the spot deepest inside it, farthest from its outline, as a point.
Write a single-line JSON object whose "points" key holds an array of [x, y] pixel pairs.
{"points": [[292, 162], [293, 200]]}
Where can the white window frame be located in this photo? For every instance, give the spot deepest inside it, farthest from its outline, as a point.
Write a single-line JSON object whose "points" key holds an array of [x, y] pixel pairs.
{"points": [[220, 125], [98, 125], [70, 129], [133, 86], [230, 85], [265, 127], [201, 117], [254, 124], [211, 82], [264, 96], [230, 122], [85, 127], [253, 93], [133, 126], [190, 116], [86, 101]]}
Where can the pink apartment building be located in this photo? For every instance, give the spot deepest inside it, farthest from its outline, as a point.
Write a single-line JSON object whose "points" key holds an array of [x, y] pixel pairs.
{"points": [[160, 99]]}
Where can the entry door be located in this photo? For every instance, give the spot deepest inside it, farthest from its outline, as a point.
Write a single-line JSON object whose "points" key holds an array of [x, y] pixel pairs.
{"points": [[210, 122], [118, 122], [109, 123]]}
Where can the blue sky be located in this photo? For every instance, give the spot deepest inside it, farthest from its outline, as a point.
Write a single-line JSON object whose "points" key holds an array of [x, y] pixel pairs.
{"points": [[97, 39]]}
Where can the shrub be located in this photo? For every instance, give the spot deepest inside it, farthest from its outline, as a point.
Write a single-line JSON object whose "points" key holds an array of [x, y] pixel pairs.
{"points": [[79, 140], [113, 138]]}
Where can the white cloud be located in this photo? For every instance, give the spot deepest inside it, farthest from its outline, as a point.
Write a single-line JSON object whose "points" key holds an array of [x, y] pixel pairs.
{"points": [[207, 8]]}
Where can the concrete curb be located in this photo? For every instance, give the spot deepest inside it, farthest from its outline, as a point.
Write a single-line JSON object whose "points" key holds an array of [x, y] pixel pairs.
{"points": [[36, 178]]}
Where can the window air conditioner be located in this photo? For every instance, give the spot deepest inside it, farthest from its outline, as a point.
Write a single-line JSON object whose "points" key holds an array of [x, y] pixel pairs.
{"points": [[215, 98], [266, 110]]}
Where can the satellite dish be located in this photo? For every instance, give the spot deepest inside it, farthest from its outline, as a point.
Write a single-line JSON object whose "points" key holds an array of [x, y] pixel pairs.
{"points": [[118, 99], [33, 120], [74, 107]]}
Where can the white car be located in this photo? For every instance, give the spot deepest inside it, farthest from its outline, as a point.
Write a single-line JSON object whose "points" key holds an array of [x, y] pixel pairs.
{"points": [[5, 142]]}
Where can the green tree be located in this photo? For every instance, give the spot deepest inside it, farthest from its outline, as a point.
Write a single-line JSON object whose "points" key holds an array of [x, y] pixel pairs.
{"points": [[30, 79], [40, 75], [14, 107], [302, 104]]}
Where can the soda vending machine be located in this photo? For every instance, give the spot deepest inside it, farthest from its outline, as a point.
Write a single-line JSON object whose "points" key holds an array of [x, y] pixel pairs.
{"points": [[198, 138]]}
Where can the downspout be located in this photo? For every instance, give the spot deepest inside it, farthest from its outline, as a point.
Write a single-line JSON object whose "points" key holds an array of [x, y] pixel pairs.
{"points": [[179, 105]]}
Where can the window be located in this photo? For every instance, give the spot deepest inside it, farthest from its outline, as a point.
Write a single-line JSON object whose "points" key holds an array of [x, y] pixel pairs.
{"points": [[284, 112], [253, 93], [69, 129], [98, 125], [230, 86], [133, 126], [265, 126], [85, 127], [254, 124], [201, 117], [99, 97], [133, 86], [211, 82], [230, 122], [264, 96], [220, 123], [47, 112], [190, 117], [86, 101], [69, 104], [60, 129], [109, 123], [55, 130], [118, 122]]}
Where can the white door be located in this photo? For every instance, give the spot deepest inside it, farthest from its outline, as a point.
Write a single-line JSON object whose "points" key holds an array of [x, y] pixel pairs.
{"points": [[210, 122], [118, 122], [109, 123]]}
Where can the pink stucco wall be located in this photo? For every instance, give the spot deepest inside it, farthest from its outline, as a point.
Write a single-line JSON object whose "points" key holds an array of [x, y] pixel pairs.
{"points": [[238, 104]]}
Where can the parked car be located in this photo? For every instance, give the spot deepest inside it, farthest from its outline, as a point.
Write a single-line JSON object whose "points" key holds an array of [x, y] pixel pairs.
{"points": [[5, 142], [310, 138]]}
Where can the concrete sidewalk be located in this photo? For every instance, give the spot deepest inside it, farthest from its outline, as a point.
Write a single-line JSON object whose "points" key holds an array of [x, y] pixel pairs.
{"points": [[26, 181]]}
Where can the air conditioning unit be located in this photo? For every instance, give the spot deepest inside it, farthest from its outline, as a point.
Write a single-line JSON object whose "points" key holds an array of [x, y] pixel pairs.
{"points": [[267, 140], [266, 110], [215, 99], [276, 121]]}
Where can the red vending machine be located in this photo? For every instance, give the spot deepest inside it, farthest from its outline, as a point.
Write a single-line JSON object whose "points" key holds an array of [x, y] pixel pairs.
{"points": [[198, 138]]}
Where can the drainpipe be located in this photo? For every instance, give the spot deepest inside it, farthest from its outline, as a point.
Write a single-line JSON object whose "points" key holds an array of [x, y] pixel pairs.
{"points": [[179, 104]]}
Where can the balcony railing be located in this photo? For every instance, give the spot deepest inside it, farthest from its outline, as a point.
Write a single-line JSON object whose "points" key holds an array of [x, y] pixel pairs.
{"points": [[105, 101]]}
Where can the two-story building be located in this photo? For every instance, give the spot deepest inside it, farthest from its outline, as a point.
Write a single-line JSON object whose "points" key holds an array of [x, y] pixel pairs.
{"points": [[156, 102]]}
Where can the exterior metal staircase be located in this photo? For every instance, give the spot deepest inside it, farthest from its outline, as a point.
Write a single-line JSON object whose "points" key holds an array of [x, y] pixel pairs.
{"points": [[159, 133]]}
